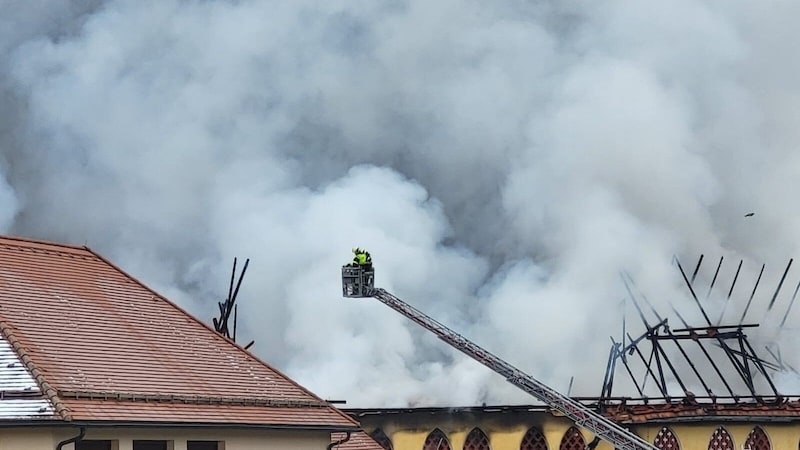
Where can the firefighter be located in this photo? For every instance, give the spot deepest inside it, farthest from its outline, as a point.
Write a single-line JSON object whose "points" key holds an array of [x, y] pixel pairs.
{"points": [[362, 258], [367, 259]]}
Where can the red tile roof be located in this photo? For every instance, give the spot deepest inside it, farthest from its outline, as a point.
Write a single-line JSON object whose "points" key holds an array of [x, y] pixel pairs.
{"points": [[103, 346], [170, 412], [358, 441]]}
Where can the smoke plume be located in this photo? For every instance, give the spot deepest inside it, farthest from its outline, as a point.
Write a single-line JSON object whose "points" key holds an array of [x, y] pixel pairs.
{"points": [[503, 162]]}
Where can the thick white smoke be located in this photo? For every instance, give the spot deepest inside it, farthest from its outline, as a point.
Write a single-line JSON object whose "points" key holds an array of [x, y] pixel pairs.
{"points": [[8, 204], [502, 161]]}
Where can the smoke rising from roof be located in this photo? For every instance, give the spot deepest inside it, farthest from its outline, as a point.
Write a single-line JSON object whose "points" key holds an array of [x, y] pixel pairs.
{"points": [[501, 161]]}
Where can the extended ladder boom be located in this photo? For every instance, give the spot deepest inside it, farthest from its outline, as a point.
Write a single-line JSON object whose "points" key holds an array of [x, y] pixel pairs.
{"points": [[606, 429]]}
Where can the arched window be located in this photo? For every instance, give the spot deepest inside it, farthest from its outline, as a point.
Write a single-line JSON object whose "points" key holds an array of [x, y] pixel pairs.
{"points": [[720, 440], [572, 440], [757, 440], [534, 440], [381, 438], [666, 440], [476, 440], [436, 441]]}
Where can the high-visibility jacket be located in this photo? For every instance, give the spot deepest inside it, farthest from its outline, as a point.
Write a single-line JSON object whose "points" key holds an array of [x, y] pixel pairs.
{"points": [[360, 258]]}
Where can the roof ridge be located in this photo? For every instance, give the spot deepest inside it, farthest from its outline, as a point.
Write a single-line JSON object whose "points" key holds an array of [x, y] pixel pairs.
{"points": [[30, 240], [36, 373], [219, 336]]}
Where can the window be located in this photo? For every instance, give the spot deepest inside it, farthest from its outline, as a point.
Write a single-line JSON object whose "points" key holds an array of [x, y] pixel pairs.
{"points": [[572, 440], [382, 439], [721, 440], [96, 445], [533, 440], [436, 441], [476, 440], [757, 440], [666, 440], [205, 445], [151, 445]]}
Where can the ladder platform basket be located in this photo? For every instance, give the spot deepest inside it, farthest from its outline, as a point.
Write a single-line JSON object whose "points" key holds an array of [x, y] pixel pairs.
{"points": [[357, 281]]}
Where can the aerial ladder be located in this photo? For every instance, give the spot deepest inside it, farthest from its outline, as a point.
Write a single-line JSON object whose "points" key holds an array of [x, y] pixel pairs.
{"points": [[358, 282]]}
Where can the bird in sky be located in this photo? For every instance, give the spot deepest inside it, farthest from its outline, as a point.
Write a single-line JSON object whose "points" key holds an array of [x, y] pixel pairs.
{"points": [[749, 214]]}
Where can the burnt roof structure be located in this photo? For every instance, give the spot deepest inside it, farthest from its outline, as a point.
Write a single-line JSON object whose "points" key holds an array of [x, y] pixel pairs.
{"points": [[707, 368]]}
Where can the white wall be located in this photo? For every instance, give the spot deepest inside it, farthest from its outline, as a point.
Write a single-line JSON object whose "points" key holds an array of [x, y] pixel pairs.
{"points": [[44, 438]]}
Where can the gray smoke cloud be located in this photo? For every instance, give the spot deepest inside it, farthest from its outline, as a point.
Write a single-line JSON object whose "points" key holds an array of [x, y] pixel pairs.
{"points": [[502, 161]]}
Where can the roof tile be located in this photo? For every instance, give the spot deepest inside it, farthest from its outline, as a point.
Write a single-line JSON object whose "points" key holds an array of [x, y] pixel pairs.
{"points": [[358, 441], [150, 412]]}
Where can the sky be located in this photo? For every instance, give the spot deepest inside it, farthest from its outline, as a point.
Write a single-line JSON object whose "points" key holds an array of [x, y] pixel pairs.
{"points": [[504, 162]]}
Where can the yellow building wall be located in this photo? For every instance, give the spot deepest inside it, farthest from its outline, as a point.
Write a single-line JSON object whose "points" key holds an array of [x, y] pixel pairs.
{"points": [[697, 436], [499, 439], [507, 434]]}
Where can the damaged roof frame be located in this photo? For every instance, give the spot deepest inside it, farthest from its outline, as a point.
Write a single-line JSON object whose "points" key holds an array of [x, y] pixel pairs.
{"points": [[648, 352]]}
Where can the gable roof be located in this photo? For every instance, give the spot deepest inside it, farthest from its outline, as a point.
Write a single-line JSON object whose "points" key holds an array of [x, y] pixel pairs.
{"points": [[104, 347]]}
